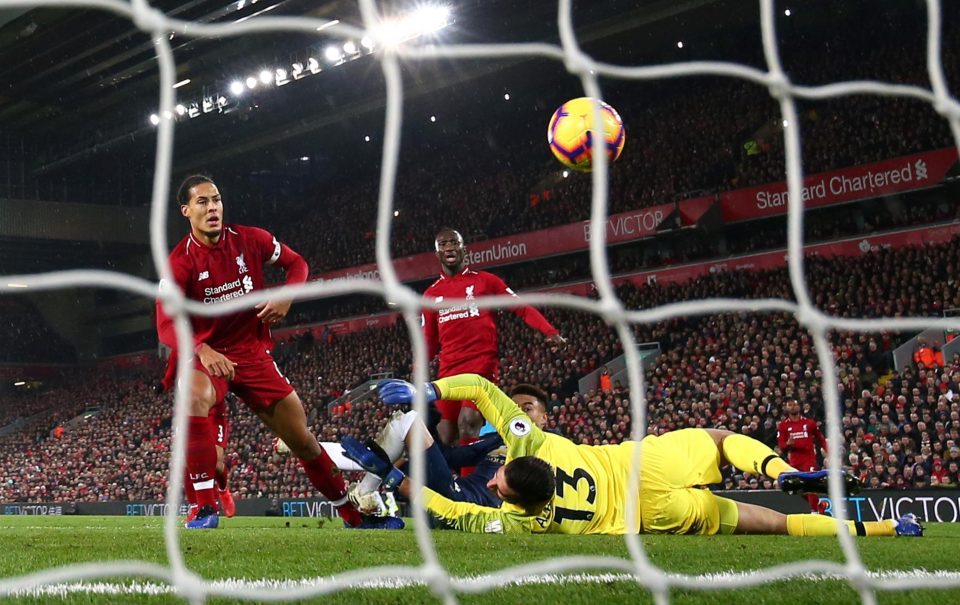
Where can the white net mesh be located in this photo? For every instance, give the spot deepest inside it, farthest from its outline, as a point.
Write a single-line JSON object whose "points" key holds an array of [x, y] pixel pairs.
{"points": [[608, 306]]}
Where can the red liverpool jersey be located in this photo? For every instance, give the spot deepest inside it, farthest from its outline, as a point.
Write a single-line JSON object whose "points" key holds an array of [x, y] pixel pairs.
{"points": [[465, 332], [231, 268], [806, 436]]}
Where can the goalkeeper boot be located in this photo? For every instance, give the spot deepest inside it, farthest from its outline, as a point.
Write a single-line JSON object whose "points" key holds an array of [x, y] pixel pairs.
{"points": [[226, 502], [207, 518], [814, 482], [908, 526], [370, 522]]}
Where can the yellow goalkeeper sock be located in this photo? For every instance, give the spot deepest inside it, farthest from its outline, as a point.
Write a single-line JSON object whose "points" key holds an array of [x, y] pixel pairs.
{"points": [[752, 456], [822, 525]]}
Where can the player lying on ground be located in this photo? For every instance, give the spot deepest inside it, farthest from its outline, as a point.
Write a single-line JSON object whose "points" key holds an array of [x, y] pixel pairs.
{"points": [[551, 485], [487, 455]]}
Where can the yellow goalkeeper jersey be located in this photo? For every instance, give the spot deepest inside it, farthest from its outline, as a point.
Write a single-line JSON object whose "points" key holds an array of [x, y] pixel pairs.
{"points": [[591, 480]]}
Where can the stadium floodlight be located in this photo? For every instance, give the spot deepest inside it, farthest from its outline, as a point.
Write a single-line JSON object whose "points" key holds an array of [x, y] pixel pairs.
{"points": [[333, 54], [350, 47], [154, 119], [787, 12], [304, 158], [786, 123], [367, 42], [433, 118], [181, 110], [313, 66], [167, 115], [20, 383], [506, 96], [16, 285], [251, 82], [182, 83], [429, 19], [236, 88], [367, 138], [424, 20], [396, 213], [679, 43], [266, 76], [566, 173]]}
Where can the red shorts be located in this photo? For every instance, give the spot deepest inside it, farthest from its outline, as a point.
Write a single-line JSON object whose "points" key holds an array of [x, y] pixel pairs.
{"points": [[489, 369], [221, 423], [257, 381]]}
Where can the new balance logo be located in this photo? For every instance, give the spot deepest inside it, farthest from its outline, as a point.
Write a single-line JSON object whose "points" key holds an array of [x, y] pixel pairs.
{"points": [[204, 275]]}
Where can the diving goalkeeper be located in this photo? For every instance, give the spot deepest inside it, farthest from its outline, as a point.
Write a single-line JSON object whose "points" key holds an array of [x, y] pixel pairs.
{"points": [[551, 485]]}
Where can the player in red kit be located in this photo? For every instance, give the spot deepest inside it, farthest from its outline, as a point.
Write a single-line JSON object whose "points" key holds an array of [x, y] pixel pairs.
{"points": [[465, 335], [217, 262], [798, 437]]}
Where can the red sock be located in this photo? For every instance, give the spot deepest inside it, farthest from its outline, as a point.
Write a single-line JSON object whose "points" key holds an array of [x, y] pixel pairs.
{"points": [[202, 460], [320, 472], [221, 476], [814, 501], [466, 470], [189, 494]]}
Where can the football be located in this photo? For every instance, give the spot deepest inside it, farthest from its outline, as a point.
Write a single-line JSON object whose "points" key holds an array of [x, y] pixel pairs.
{"points": [[570, 137]]}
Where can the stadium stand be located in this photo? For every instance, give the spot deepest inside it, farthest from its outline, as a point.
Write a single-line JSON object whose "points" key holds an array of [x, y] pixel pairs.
{"points": [[901, 430]]}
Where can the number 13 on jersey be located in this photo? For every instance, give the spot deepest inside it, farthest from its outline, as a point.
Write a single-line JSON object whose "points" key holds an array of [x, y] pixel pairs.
{"points": [[575, 498]]}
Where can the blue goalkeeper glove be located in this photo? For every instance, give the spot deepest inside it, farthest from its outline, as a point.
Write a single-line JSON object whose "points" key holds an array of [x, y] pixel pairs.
{"points": [[395, 391], [372, 462]]}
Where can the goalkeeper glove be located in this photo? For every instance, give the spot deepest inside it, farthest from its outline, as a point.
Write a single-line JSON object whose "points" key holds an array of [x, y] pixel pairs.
{"points": [[371, 462], [395, 391]]}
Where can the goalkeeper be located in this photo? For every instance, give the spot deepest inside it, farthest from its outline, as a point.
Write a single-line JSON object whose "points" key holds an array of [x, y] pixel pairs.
{"points": [[551, 485]]}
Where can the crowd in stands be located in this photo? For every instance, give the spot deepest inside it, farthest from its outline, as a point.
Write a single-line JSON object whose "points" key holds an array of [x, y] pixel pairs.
{"points": [[106, 435], [729, 370], [727, 136], [825, 224]]}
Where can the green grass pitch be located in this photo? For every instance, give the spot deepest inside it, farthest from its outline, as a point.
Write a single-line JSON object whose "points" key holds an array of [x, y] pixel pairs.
{"points": [[251, 549]]}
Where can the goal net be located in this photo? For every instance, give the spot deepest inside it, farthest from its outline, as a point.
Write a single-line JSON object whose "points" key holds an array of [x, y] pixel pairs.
{"points": [[607, 305]]}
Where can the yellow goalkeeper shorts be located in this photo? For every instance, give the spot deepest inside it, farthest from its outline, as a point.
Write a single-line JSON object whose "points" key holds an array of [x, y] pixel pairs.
{"points": [[674, 465]]}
